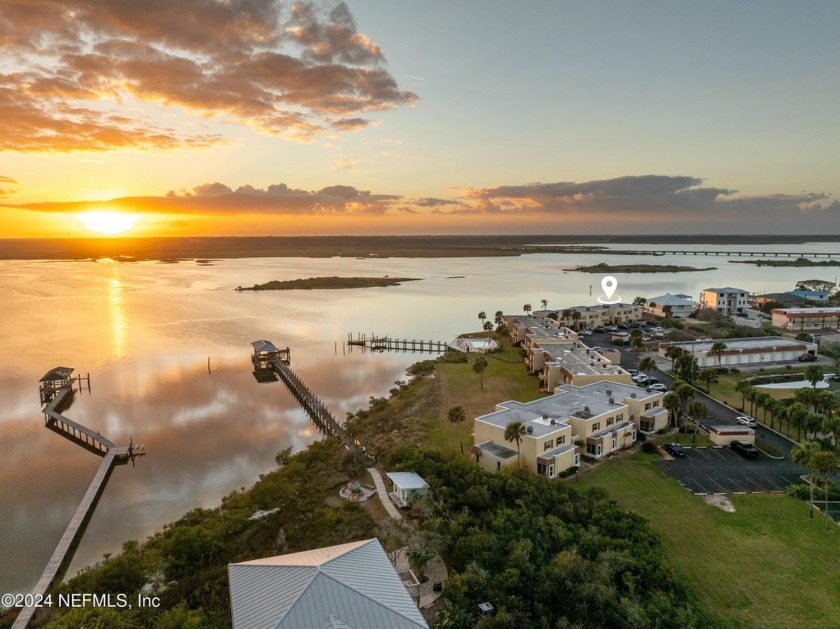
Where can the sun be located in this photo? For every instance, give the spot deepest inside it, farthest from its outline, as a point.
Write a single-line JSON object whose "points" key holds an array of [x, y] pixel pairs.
{"points": [[108, 222]]}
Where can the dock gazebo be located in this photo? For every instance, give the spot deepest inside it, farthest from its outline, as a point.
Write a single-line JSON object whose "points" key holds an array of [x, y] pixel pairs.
{"points": [[54, 380]]}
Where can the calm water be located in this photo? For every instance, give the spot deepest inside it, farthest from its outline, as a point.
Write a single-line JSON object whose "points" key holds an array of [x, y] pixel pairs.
{"points": [[144, 332]]}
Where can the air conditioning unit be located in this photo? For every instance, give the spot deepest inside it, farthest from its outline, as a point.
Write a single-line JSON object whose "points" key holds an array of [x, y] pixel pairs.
{"points": [[529, 430]]}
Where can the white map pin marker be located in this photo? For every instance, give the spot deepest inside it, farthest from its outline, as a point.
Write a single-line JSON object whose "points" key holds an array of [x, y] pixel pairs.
{"points": [[608, 285]]}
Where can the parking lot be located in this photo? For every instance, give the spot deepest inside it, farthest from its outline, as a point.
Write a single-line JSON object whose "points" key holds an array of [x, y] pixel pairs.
{"points": [[716, 470]]}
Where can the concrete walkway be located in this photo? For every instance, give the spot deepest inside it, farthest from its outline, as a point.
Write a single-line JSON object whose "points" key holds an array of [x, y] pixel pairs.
{"points": [[383, 494]]}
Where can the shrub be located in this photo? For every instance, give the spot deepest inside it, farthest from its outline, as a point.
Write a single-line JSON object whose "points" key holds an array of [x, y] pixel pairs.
{"points": [[453, 357], [649, 447], [569, 472]]}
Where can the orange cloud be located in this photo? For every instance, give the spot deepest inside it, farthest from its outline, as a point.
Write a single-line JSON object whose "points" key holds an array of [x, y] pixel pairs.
{"points": [[294, 71]]}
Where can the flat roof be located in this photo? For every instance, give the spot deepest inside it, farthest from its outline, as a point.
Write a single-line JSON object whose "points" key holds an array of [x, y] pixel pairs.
{"points": [[732, 430], [497, 449], [726, 289], [407, 480], [759, 343], [583, 361], [815, 312], [567, 400]]}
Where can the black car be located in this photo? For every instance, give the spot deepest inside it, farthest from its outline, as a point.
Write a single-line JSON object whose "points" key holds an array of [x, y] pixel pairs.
{"points": [[674, 449], [745, 448]]}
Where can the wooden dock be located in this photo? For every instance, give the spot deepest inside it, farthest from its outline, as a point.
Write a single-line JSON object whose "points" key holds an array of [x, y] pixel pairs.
{"points": [[55, 398], [311, 403], [375, 343]]}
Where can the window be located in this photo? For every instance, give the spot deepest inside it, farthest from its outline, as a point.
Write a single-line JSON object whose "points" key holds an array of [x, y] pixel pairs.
{"points": [[647, 406], [540, 469], [633, 436], [647, 424], [609, 421], [551, 471], [656, 404], [614, 443], [577, 460], [547, 445], [498, 465], [619, 417], [561, 440], [596, 426], [594, 449]]}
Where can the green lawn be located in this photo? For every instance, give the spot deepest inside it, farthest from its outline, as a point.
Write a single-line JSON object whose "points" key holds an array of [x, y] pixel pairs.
{"points": [[505, 378], [765, 565]]}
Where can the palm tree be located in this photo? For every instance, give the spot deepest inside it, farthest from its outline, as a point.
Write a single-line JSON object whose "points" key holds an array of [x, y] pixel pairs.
{"points": [[639, 301], [636, 340], [825, 463], [742, 386], [804, 455], [709, 377], [667, 311], [752, 394], [797, 412], [567, 315], [814, 374], [652, 305], [527, 309], [499, 316], [764, 401], [488, 327], [576, 317], [479, 366], [647, 364], [697, 411], [544, 303], [514, 432], [684, 391], [482, 316], [458, 416], [673, 352], [672, 402], [717, 350], [687, 368]]}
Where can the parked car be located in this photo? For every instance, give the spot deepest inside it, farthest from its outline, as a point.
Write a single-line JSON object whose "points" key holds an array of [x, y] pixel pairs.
{"points": [[633, 372], [647, 337], [743, 315], [746, 420], [599, 328], [623, 326], [807, 358], [641, 378], [674, 449], [745, 448], [658, 387], [610, 328], [585, 333]]}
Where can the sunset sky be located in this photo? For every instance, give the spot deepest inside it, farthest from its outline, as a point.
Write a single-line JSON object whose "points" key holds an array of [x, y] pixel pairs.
{"points": [[258, 117]]}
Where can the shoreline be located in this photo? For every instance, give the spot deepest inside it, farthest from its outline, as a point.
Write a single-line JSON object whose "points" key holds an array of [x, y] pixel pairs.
{"points": [[226, 247]]}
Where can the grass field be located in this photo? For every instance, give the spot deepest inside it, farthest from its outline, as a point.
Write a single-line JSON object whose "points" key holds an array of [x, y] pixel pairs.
{"points": [[505, 378], [765, 565]]}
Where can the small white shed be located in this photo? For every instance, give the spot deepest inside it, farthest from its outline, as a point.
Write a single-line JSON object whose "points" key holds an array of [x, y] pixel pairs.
{"points": [[407, 486]]}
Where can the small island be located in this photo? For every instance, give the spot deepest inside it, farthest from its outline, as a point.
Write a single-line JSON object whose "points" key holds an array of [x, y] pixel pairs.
{"points": [[638, 268], [795, 263], [313, 283]]}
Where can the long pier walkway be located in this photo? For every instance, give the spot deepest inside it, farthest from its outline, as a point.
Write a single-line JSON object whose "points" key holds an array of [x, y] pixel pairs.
{"points": [[96, 443], [267, 356], [387, 344]]}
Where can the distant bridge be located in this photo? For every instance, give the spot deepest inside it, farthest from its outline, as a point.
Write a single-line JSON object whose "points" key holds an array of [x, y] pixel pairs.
{"points": [[691, 252]]}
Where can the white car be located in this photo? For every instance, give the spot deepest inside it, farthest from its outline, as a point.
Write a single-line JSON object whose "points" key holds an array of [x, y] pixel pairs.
{"points": [[641, 378], [658, 387], [746, 420]]}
